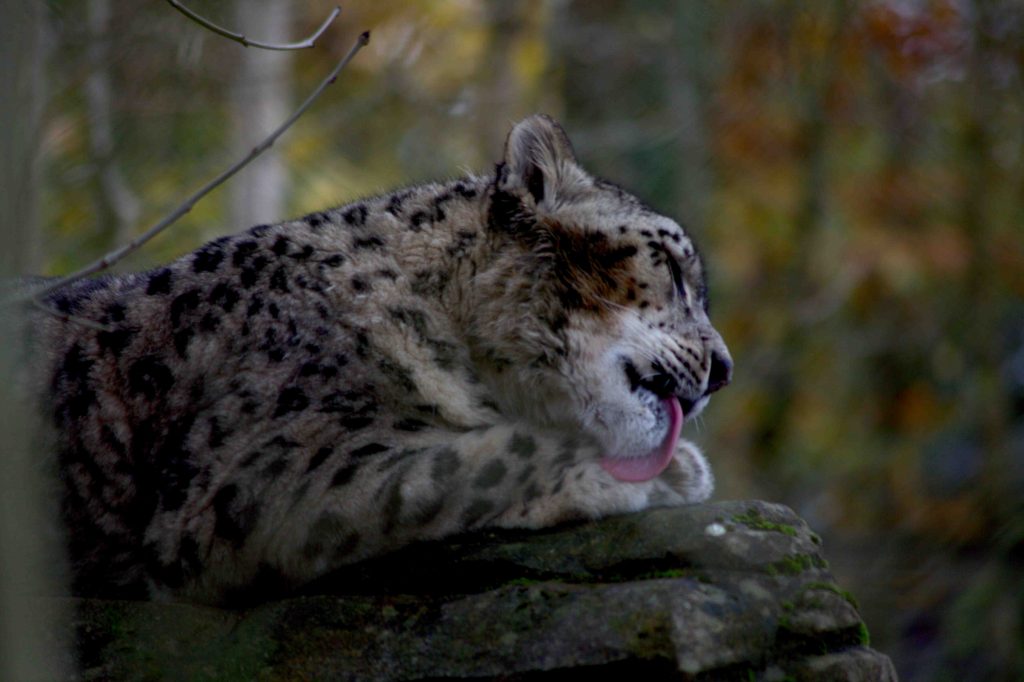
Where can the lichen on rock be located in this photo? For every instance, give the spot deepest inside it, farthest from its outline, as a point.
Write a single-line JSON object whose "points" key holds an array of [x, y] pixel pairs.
{"points": [[727, 590]]}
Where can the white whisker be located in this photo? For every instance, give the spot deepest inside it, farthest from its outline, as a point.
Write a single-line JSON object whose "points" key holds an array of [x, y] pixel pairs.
{"points": [[611, 304]]}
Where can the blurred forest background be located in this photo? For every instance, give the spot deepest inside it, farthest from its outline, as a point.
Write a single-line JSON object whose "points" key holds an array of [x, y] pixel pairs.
{"points": [[854, 172]]}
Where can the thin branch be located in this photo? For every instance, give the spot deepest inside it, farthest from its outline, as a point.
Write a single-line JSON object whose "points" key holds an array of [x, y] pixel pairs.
{"points": [[247, 42], [119, 253]]}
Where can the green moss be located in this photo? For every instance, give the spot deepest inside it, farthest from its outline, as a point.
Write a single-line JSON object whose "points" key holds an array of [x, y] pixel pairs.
{"points": [[113, 618], [835, 589], [648, 633], [863, 636], [796, 564], [667, 573], [631, 574], [753, 519], [145, 641]]}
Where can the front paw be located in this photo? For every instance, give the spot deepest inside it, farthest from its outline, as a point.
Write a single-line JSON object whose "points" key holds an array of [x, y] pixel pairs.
{"points": [[586, 490], [687, 478]]}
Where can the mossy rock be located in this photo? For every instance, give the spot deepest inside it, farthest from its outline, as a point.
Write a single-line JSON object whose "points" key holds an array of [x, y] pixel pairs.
{"points": [[727, 590]]}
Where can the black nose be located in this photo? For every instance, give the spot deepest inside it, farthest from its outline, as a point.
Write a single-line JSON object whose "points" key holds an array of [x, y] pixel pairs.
{"points": [[720, 374]]}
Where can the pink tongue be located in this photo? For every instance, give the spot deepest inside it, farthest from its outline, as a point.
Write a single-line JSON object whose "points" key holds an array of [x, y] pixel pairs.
{"points": [[647, 466]]}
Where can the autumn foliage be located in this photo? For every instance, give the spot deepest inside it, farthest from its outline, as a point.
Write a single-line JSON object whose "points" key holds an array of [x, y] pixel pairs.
{"points": [[854, 172]]}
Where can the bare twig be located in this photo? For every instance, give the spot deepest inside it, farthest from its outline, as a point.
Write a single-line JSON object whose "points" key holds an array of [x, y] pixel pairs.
{"points": [[119, 253], [239, 38]]}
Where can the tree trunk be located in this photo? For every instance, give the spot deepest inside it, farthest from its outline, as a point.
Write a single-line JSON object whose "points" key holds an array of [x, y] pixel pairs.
{"points": [[28, 553], [687, 104], [500, 89], [260, 101], [118, 208]]}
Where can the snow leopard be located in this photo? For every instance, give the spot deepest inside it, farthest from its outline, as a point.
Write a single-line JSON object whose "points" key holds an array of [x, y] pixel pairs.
{"points": [[514, 349]]}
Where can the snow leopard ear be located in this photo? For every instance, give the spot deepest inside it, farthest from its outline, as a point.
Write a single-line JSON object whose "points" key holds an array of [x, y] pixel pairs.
{"points": [[539, 161]]}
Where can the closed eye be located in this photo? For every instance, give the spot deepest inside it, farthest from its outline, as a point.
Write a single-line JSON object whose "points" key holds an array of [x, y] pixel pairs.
{"points": [[684, 293], [677, 279]]}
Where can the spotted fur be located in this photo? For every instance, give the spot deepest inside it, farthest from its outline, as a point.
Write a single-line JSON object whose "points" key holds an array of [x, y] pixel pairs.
{"points": [[441, 358]]}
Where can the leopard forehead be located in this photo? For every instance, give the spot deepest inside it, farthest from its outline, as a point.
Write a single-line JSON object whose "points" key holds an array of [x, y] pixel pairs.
{"points": [[610, 251]]}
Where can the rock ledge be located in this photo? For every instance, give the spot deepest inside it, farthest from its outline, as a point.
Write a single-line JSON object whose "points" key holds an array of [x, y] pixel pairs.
{"points": [[719, 591]]}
